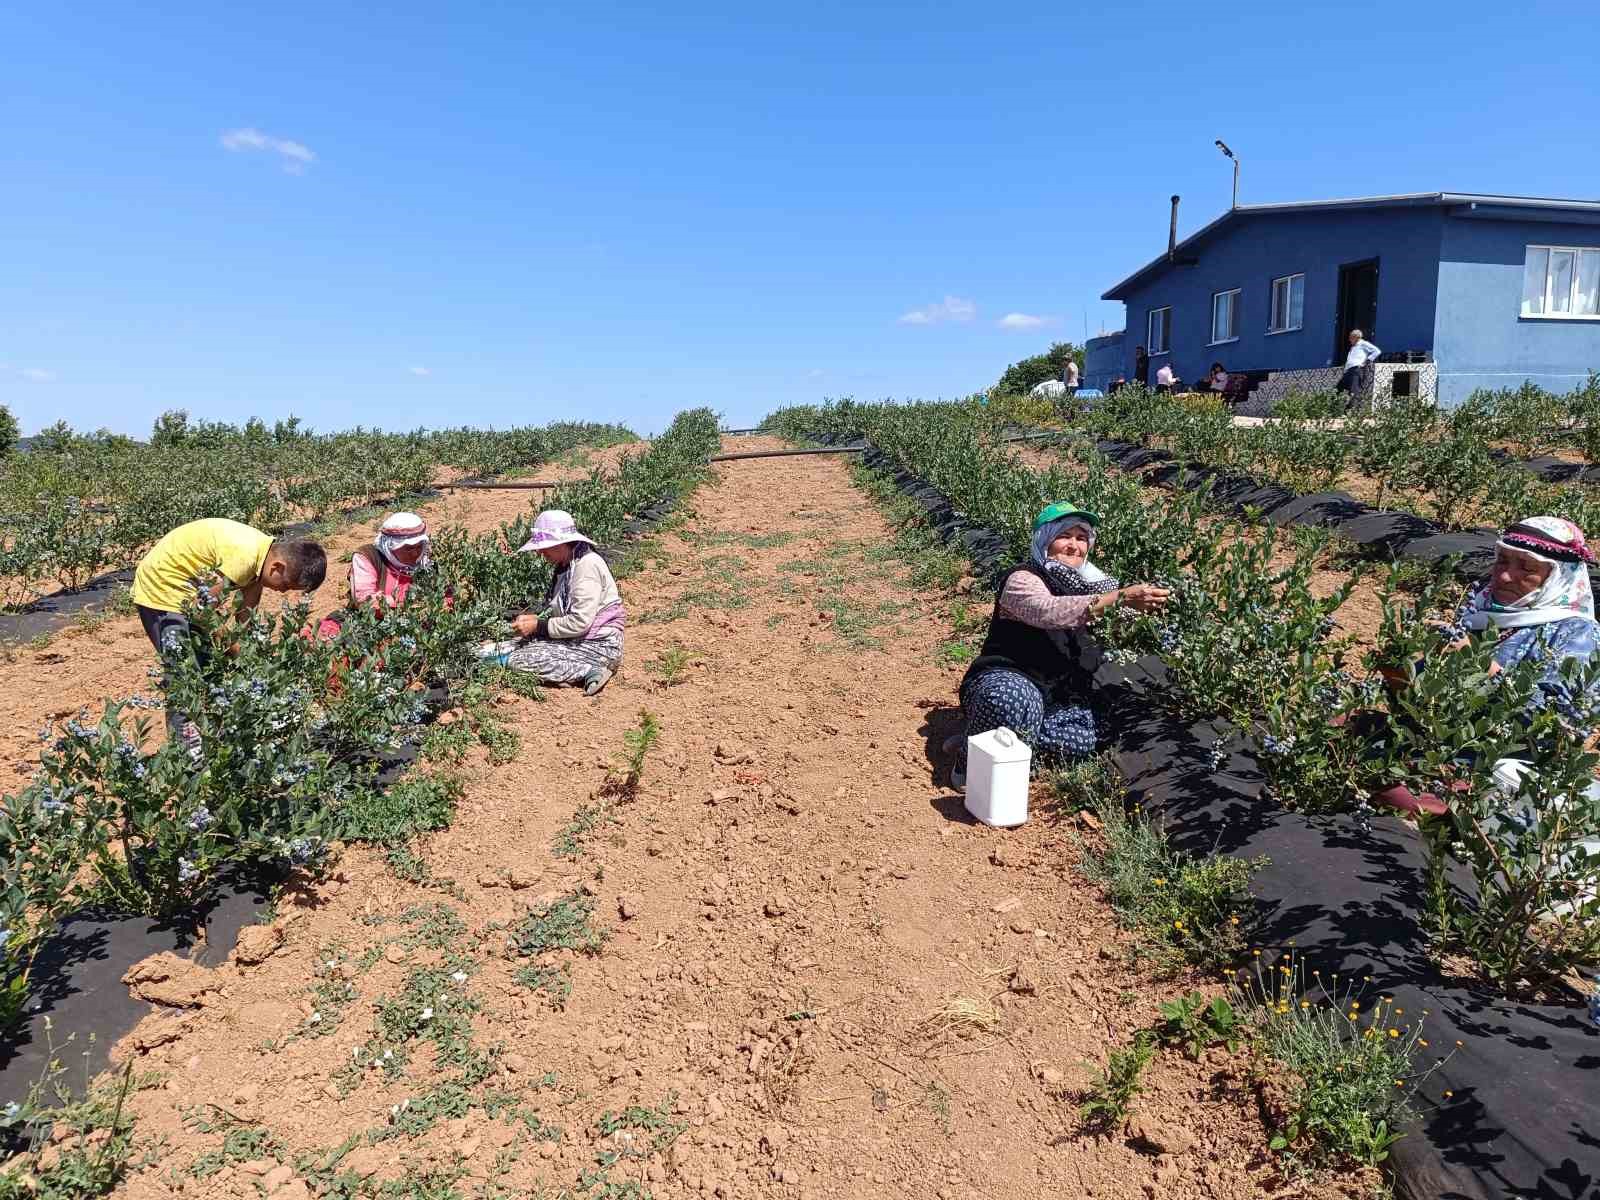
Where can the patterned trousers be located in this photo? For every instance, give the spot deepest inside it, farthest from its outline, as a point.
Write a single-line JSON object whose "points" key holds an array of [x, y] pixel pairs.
{"points": [[1011, 699], [563, 660]]}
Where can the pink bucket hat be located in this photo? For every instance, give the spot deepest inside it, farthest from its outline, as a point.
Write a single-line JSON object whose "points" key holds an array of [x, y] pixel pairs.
{"points": [[553, 527]]}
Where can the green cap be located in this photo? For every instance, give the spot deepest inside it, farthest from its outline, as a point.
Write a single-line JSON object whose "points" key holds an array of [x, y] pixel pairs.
{"points": [[1061, 509]]}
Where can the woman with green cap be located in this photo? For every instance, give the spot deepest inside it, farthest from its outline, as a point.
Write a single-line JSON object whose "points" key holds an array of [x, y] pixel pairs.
{"points": [[1028, 676]]}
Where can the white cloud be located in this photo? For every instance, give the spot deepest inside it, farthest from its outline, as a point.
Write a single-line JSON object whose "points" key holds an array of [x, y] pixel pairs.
{"points": [[38, 375], [419, 370], [1018, 320], [295, 155], [951, 308]]}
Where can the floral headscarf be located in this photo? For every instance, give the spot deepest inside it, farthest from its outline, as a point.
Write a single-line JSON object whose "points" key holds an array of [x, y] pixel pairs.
{"points": [[1085, 580], [1564, 593], [398, 531]]}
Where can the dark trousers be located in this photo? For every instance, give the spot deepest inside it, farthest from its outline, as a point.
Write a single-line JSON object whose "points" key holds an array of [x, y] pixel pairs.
{"points": [[171, 634], [1348, 381]]}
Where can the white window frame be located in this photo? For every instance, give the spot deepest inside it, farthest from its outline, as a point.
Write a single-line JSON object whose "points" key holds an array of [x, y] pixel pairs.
{"points": [[1572, 294], [1272, 302], [1237, 294], [1150, 331]]}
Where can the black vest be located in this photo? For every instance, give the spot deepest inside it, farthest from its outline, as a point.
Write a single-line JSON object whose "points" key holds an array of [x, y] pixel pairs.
{"points": [[1061, 662]]}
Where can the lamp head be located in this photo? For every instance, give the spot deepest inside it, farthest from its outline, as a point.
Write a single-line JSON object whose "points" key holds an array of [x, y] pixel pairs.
{"points": [[1223, 146]]}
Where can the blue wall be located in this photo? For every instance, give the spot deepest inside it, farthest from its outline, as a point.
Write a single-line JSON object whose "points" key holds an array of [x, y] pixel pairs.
{"points": [[1482, 340], [1251, 251], [1103, 360]]}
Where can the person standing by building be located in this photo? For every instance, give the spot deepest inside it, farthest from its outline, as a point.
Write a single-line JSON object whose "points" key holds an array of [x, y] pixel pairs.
{"points": [[1141, 367], [1362, 354], [1069, 376]]}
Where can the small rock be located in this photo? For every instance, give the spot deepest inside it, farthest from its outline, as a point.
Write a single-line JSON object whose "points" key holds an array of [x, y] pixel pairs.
{"points": [[1005, 855], [520, 878], [257, 943], [1009, 904], [280, 1174], [776, 906], [449, 717], [720, 796], [1089, 821], [733, 753], [1159, 1137], [488, 879], [628, 905], [257, 1166], [394, 954], [1022, 982]]}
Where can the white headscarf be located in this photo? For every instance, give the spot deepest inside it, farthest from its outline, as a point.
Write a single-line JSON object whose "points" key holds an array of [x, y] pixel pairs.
{"points": [[398, 531], [1564, 593]]}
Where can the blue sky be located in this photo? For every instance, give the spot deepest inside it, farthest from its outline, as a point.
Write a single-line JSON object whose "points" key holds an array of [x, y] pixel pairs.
{"points": [[496, 214]]}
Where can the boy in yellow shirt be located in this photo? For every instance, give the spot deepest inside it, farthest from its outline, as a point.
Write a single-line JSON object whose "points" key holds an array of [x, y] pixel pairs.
{"points": [[177, 567]]}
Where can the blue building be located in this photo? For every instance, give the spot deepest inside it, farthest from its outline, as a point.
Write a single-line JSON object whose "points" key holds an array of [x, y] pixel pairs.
{"points": [[1482, 291]]}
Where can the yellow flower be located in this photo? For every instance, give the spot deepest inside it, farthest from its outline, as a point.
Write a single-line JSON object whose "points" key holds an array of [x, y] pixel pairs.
{"points": [[1399, 1083], [1178, 925], [1305, 1004], [1257, 953], [1161, 883], [1394, 1033], [1233, 920], [1447, 1095], [1423, 1042]]}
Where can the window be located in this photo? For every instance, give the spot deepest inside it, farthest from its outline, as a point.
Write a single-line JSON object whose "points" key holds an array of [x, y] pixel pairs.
{"points": [[1159, 339], [1288, 303], [1225, 316], [1561, 281]]}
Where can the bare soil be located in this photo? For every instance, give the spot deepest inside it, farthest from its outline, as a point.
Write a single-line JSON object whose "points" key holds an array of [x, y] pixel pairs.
{"points": [[822, 976]]}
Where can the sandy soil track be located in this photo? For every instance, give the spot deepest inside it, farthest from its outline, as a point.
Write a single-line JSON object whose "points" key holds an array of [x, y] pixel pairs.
{"points": [[789, 903]]}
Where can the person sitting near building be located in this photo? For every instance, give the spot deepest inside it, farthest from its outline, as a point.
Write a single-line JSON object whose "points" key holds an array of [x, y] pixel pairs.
{"points": [[1217, 380], [1362, 354], [1028, 676], [577, 636], [1166, 379], [1538, 601], [177, 568], [382, 572]]}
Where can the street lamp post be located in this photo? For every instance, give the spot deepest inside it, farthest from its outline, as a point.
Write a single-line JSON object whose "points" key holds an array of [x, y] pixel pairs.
{"points": [[1223, 146]]}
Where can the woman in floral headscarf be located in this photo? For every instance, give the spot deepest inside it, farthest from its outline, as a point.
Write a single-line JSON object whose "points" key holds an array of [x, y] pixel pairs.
{"points": [[382, 573], [1538, 601], [1028, 676]]}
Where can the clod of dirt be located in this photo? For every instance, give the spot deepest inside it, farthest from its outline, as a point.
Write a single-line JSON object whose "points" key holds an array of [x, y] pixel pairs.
{"points": [[1158, 1137], [521, 878], [169, 980], [256, 944], [732, 753], [1006, 855], [449, 717], [1009, 904], [1089, 821], [776, 906], [628, 905], [1022, 982], [488, 879]]}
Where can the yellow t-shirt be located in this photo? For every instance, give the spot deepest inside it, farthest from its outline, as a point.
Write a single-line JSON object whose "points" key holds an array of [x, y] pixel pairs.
{"points": [[171, 573]]}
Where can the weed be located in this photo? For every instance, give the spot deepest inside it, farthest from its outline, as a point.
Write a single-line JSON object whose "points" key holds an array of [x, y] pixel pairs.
{"points": [[1113, 1088], [562, 924], [589, 817], [670, 664], [414, 804], [1087, 784], [1185, 908], [69, 1149], [1194, 1025], [554, 982], [636, 746], [1349, 1071], [675, 611], [937, 1101]]}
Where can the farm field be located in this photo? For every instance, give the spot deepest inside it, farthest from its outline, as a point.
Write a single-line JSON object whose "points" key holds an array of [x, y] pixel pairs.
{"points": [[798, 969]]}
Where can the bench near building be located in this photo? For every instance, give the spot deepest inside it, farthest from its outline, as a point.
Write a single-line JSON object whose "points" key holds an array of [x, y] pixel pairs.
{"points": [[1460, 291]]}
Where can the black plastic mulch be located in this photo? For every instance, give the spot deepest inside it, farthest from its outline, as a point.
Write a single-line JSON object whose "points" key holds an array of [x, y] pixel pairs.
{"points": [[1523, 1119], [77, 977]]}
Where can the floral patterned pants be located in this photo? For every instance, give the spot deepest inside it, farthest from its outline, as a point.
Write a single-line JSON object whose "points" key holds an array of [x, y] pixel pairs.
{"points": [[1011, 699], [558, 660]]}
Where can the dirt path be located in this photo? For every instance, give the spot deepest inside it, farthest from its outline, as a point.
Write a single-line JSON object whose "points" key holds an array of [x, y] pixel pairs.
{"points": [[787, 905], [111, 658]]}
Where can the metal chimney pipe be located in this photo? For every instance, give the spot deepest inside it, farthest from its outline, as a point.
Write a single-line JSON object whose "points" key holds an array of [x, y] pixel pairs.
{"points": [[1172, 232]]}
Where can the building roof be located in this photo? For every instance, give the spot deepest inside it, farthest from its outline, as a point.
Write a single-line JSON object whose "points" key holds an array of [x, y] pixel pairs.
{"points": [[1463, 204]]}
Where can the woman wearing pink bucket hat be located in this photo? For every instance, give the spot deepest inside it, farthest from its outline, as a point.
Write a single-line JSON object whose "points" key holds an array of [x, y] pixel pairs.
{"points": [[577, 635]]}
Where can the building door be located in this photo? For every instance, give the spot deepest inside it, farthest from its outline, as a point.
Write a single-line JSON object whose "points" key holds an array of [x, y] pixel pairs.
{"points": [[1358, 305]]}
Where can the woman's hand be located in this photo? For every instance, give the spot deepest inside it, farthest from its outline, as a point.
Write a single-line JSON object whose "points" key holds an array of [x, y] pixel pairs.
{"points": [[525, 625], [1144, 597]]}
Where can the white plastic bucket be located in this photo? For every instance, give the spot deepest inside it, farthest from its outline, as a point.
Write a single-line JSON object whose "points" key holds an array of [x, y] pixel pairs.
{"points": [[997, 777]]}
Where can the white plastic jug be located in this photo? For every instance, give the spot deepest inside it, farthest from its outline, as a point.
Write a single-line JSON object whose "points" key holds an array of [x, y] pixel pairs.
{"points": [[997, 777]]}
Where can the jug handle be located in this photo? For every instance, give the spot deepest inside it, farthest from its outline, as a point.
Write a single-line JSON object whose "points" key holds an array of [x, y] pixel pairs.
{"points": [[1005, 737]]}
